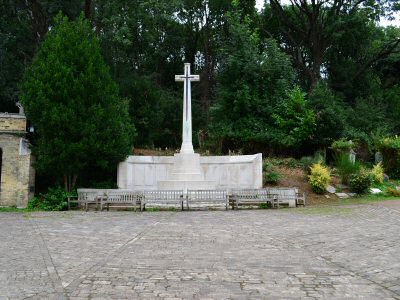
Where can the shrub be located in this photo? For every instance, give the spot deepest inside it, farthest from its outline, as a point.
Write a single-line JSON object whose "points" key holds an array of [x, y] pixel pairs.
{"points": [[346, 167], [270, 175], [377, 173], [308, 161], [360, 182], [55, 199], [342, 146], [390, 148], [319, 178], [393, 192]]}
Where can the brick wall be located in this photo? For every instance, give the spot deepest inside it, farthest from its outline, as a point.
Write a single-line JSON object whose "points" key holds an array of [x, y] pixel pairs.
{"points": [[17, 175]]}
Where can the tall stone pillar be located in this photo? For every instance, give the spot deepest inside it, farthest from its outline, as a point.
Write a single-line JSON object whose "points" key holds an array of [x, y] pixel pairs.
{"points": [[17, 174]]}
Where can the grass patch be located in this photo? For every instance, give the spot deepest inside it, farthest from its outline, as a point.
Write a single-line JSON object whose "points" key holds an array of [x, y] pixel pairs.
{"points": [[14, 209], [366, 199]]}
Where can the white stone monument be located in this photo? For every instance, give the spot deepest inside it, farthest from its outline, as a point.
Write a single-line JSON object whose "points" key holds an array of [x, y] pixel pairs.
{"points": [[186, 169], [186, 172]]}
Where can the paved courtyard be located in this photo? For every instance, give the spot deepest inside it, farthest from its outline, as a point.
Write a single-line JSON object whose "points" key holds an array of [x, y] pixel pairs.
{"points": [[338, 252]]}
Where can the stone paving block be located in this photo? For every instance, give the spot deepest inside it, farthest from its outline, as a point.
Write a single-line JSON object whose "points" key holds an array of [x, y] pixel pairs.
{"points": [[249, 254]]}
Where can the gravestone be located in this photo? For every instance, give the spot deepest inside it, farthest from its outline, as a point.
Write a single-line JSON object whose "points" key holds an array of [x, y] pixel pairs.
{"points": [[352, 156], [378, 157]]}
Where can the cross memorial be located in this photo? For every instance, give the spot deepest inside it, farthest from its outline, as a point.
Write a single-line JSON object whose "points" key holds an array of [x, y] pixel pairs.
{"points": [[187, 146]]}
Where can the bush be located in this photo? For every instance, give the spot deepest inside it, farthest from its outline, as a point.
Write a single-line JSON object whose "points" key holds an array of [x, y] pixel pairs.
{"points": [[390, 148], [360, 182], [308, 161], [342, 146], [393, 192], [55, 199], [319, 178], [345, 167], [270, 175], [377, 173]]}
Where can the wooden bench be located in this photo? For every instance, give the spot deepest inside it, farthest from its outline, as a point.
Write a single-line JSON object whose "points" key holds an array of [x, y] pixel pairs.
{"points": [[287, 197], [251, 197], [206, 198], [121, 199], [85, 198], [162, 198]]}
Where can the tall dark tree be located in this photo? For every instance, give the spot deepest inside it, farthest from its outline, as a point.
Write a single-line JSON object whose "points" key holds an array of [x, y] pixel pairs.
{"points": [[74, 105], [307, 29]]}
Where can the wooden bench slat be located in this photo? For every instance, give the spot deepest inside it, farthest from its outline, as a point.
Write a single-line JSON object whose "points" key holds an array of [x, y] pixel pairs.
{"points": [[207, 197], [162, 197]]}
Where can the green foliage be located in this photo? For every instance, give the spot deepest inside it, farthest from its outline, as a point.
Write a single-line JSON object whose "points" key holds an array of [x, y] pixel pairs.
{"points": [[393, 192], [294, 120], [330, 115], [55, 199], [361, 181], [270, 175], [343, 146], [390, 148], [319, 178], [346, 167], [74, 105], [265, 205], [308, 161], [251, 84], [288, 162], [377, 173], [249, 63], [16, 45]]}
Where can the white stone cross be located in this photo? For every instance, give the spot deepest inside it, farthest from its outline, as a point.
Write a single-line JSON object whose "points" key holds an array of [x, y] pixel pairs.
{"points": [[187, 146]]}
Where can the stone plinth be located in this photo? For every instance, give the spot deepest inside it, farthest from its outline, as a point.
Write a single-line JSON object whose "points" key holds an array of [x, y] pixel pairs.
{"points": [[186, 167], [187, 185], [227, 172], [186, 173]]}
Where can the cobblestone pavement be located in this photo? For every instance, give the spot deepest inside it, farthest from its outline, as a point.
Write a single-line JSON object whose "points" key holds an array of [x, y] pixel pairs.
{"points": [[338, 252]]}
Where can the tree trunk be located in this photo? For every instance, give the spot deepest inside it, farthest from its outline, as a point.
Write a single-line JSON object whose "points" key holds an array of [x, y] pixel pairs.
{"points": [[88, 9], [69, 182]]}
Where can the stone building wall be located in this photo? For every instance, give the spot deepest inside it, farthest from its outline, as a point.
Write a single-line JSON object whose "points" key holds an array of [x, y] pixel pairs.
{"points": [[17, 175]]}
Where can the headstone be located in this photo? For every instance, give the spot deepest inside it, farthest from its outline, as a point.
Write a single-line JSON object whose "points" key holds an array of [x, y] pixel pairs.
{"points": [[352, 156], [21, 108], [375, 191], [342, 195], [378, 157], [331, 189], [386, 178], [342, 186]]}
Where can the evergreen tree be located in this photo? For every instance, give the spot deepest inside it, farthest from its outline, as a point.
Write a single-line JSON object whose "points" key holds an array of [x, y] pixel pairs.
{"points": [[253, 87], [79, 119]]}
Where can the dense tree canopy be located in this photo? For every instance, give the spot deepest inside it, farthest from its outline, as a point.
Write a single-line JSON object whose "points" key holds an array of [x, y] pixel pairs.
{"points": [[292, 76], [74, 104]]}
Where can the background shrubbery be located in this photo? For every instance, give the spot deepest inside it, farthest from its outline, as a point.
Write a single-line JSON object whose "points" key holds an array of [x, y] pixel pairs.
{"points": [[390, 148], [55, 199], [319, 178]]}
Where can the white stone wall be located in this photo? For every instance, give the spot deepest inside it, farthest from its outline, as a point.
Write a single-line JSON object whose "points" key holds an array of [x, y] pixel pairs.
{"points": [[144, 172]]}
